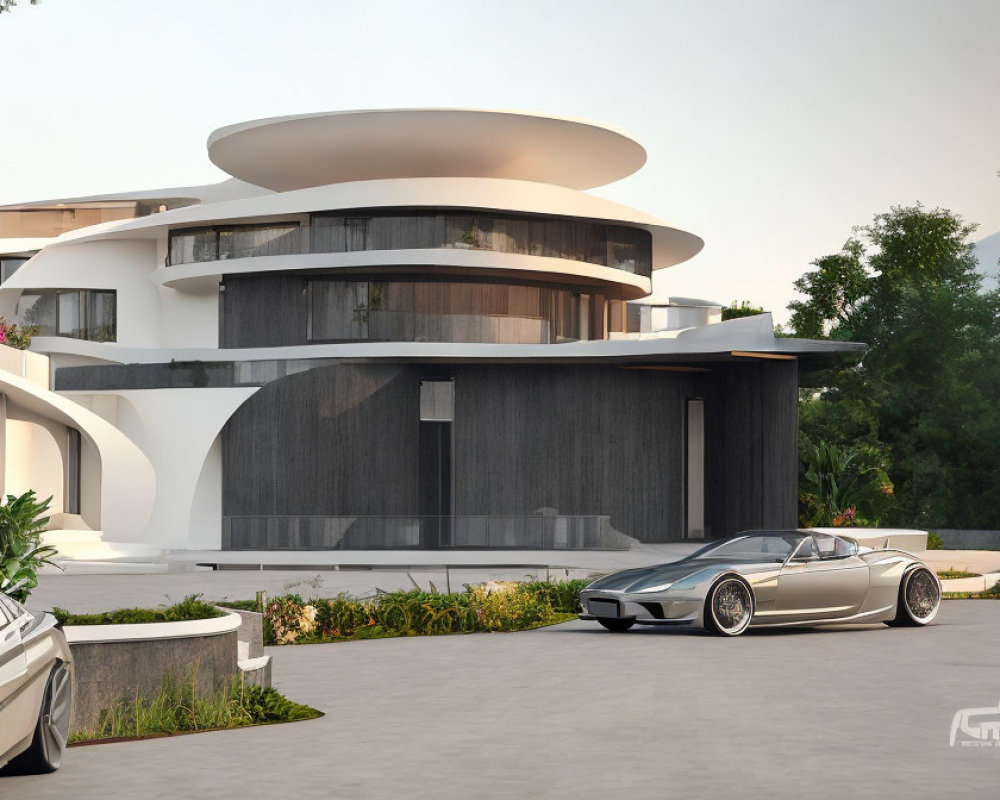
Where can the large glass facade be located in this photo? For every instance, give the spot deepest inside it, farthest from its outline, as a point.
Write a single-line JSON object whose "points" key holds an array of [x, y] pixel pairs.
{"points": [[239, 241], [617, 246], [74, 313], [439, 311]]}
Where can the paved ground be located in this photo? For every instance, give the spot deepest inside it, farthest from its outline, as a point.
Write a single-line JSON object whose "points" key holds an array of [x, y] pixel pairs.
{"points": [[573, 711]]}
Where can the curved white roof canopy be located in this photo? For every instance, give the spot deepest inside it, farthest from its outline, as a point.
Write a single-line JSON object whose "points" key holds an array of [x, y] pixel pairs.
{"points": [[296, 152], [670, 245]]}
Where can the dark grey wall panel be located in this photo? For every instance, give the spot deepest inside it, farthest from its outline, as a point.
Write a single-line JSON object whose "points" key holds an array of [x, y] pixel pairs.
{"points": [[333, 441], [751, 453], [263, 311], [581, 440]]}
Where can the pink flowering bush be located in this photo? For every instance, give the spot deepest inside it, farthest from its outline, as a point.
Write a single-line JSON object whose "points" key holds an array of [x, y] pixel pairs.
{"points": [[16, 336]]}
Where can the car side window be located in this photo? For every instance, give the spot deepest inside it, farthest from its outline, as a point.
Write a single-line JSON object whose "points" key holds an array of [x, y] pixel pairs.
{"points": [[807, 550], [832, 546]]}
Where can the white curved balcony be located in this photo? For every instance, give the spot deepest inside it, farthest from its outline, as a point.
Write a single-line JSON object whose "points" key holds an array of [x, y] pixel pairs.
{"points": [[483, 263]]}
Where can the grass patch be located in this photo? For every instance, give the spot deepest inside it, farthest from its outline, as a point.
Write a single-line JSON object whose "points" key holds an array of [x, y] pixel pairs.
{"points": [[489, 607], [190, 608], [178, 707], [952, 574]]}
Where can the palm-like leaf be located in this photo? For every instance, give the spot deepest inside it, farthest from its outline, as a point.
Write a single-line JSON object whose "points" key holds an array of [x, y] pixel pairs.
{"points": [[22, 521]]}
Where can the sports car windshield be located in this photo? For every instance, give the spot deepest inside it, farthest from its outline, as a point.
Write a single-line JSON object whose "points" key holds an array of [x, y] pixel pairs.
{"points": [[752, 547]]}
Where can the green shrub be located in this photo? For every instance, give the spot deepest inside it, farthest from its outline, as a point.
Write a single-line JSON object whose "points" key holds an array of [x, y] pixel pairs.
{"points": [[934, 541], [22, 521], [190, 608], [493, 606]]}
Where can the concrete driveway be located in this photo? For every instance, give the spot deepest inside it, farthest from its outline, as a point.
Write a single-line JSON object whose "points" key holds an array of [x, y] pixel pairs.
{"points": [[573, 711]]}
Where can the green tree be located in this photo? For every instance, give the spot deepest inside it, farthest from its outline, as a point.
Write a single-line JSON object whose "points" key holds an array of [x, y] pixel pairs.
{"points": [[925, 393]]}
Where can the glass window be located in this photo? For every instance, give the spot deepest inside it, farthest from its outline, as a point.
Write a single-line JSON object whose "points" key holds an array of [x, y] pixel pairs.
{"points": [[38, 309], [193, 246], [103, 315], [441, 311], [72, 499], [69, 319], [75, 313], [8, 266], [270, 240]]}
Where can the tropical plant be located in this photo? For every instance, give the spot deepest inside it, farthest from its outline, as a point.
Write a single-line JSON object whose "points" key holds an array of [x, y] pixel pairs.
{"points": [[842, 486], [22, 521]]}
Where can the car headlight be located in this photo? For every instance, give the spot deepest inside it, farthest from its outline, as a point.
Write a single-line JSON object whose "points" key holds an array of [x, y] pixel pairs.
{"points": [[659, 587]]}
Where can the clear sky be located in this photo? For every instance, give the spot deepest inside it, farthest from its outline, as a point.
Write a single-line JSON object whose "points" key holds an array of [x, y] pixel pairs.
{"points": [[772, 126]]}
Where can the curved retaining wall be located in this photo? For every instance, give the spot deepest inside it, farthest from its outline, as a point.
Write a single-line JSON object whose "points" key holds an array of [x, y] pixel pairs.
{"points": [[115, 661]]}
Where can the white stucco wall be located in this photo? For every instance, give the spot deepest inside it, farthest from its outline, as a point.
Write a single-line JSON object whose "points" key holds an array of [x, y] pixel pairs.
{"points": [[124, 265], [177, 429], [33, 458], [205, 527]]}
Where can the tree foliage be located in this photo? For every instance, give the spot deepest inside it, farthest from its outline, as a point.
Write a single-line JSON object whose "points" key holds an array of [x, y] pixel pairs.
{"points": [[925, 396], [744, 309]]}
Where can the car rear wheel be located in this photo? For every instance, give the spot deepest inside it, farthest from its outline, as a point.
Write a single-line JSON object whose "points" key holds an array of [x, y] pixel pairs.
{"points": [[729, 608], [617, 625], [52, 729], [919, 598]]}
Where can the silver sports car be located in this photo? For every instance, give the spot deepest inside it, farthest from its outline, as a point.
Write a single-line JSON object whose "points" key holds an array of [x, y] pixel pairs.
{"points": [[35, 689], [769, 578]]}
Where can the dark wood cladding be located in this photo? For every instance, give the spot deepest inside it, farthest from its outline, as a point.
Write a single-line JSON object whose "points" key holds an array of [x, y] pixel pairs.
{"points": [[579, 439], [333, 440], [751, 428], [263, 311]]}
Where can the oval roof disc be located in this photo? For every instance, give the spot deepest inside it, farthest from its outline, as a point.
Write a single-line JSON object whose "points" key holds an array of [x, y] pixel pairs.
{"points": [[297, 152]]}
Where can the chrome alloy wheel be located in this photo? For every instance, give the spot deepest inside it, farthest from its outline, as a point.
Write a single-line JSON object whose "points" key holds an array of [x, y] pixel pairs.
{"points": [[731, 604], [53, 721], [922, 596]]}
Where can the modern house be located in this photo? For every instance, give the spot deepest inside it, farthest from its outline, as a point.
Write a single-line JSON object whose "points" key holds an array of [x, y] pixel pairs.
{"points": [[402, 328]]}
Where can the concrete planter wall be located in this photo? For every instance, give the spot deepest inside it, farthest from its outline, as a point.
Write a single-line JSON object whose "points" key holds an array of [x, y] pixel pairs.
{"points": [[116, 661]]}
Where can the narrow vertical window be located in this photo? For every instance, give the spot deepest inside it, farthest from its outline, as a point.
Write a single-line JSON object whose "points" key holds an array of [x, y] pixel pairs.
{"points": [[695, 471], [437, 413], [71, 503]]}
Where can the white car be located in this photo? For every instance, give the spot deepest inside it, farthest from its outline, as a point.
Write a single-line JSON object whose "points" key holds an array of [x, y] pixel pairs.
{"points": [[36, 682]]}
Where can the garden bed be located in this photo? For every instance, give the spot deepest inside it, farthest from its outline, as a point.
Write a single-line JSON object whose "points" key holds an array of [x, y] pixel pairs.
{"points": [[179, 707], [489, 607]]}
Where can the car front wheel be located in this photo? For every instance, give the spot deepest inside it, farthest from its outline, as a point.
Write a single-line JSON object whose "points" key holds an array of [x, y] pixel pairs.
{"points": [[52, 729], [919, 598], [729, 608]]}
